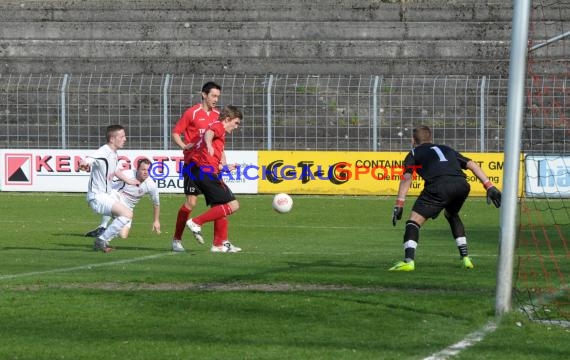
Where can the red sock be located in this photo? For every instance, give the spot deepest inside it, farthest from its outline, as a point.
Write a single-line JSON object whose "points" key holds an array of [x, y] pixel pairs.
{"points": [[183, 216], [220, 231], [214, 213]]}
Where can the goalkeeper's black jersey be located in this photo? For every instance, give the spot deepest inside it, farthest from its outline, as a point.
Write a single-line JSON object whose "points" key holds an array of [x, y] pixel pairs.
{"points": [[433, 161]]}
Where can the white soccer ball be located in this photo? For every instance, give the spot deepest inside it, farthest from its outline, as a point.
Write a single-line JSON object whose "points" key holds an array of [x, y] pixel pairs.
{"points": [[282, 203]]}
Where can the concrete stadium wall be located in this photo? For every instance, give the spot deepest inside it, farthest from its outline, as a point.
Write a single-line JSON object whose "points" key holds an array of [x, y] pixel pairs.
{"points": [[262, 36]]}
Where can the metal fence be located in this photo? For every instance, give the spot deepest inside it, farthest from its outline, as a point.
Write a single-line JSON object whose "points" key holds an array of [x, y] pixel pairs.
{"points": [[281, 112]]}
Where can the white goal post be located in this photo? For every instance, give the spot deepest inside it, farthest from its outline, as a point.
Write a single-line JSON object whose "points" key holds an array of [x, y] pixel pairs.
{"points": [[513, 133], [512, 150]]}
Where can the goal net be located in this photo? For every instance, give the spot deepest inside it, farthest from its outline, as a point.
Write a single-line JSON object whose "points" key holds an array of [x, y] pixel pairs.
{"points": [[543, 245]]}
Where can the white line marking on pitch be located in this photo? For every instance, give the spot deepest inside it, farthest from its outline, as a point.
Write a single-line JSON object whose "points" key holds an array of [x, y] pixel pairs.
{"points": [[83, 267], [468, 341]]}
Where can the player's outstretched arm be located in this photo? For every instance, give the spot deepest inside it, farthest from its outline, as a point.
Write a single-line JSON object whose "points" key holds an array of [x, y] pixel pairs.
{"points": [[493, 194], [156, 219], [123, 177], [85, 164], [403, 189]]}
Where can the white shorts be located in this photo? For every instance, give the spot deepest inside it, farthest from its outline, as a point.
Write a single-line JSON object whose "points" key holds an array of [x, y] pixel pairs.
{"points": [[103, 203]]}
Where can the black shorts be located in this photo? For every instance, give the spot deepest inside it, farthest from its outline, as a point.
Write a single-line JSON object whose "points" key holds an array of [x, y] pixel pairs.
{"points": [[212, 186], [449, 194], [190, 186]]}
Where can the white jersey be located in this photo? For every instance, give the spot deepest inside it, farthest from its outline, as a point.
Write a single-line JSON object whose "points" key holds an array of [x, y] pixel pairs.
{"points": [[131, 194], [103, 166]]}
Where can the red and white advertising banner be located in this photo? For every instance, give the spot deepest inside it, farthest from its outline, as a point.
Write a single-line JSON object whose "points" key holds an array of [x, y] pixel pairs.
{"points": [[58, 170]]}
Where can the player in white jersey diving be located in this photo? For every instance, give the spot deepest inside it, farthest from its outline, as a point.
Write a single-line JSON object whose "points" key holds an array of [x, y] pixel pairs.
{"points": [[130, 195], [103, 165]]}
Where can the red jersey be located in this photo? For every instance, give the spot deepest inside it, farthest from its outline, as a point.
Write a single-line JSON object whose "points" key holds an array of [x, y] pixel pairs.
{"points": [[200, 154], [193, 124]]}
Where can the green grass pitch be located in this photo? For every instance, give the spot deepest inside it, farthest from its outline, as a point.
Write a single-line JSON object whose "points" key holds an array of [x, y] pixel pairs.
{"points": [[311, 284]]}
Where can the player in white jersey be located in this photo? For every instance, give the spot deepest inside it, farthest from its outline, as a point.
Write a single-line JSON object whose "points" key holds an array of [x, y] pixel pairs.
{"points": [[130, 195], [103, 165]]}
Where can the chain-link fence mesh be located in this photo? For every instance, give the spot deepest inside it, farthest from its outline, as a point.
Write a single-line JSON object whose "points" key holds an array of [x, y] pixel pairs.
{"points": [[281, 112]]}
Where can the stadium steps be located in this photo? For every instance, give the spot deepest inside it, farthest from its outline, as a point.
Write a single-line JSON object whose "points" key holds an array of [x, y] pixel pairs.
{"points": [[261, 36], [252, 10], [257, 30], [377, 37]]}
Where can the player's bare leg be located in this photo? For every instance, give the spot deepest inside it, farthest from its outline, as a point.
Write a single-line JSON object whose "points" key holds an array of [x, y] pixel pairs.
{"points": [[124, 233]]}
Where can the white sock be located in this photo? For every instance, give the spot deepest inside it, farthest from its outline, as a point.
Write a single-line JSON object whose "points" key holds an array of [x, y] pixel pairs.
{"points": [[113, 229], [104, 221], [461, 241]]}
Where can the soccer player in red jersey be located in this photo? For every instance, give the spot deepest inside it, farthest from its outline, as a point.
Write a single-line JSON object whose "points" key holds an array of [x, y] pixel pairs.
{"points": [[192, 125], [208, 162]]}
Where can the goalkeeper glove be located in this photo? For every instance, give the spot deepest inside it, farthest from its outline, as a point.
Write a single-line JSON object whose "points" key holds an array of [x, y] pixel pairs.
{"points": [[398, 211], [493, 194]]}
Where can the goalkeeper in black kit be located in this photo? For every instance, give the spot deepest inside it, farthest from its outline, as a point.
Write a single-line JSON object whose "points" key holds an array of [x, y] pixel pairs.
{"points": [[445, 188]]}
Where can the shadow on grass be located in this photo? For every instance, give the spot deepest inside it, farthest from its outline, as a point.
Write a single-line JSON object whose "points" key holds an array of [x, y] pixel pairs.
{"points": [[88, 247], [298, 267], [72, 235]]}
